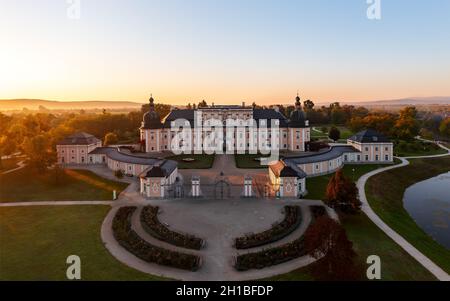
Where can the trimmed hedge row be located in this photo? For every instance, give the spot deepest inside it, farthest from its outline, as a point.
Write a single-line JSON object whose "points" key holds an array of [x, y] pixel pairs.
{"points": [[291, 221], [129, 239], [152, 225], [277, 255]]}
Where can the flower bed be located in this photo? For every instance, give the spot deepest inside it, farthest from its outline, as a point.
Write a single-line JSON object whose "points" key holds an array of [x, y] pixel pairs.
{"points": [[291, 221], [152, 225], [129, 239], [277, 255]]}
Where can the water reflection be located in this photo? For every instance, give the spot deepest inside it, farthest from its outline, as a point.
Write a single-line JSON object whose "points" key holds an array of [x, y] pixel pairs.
{"points": [[428, 203]]}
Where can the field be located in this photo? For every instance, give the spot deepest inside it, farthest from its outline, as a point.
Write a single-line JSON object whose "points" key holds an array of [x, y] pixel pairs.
{"points": [[35, 242], [27, 185]]}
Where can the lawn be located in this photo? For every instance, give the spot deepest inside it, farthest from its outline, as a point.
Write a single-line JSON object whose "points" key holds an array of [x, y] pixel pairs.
{"points": [[35, 242], [416, 148], [201, 161], [385, 194], [248, 161], [316, 186], [345, 132], [27, 185], [367, 238]]}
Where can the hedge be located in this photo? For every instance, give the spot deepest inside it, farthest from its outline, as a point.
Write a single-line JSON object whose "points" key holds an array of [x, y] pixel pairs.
{"points": [[129, 239], [290, 223], [152, 225], [277, 255]]}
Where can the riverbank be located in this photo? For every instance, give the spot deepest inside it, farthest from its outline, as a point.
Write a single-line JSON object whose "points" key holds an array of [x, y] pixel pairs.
{"points": [[385, 195]]}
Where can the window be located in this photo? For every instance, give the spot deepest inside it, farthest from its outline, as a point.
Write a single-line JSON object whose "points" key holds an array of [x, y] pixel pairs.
{"points": [[367, 157], [103, 159], [317, 166], [366, 148], [386, 149], [90, 159], [376, 158], [153, 148], [386, 158], [358, 157], [62, 159], [298, 147], [345, 158], [376, 148]]}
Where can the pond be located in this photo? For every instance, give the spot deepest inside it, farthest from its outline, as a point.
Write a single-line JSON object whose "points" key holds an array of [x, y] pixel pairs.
{"points": [[428, 203]]}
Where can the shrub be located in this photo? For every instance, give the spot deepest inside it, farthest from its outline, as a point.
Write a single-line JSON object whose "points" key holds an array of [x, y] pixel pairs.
{"points": [[129, 240], [119, 174], [291, 221], [152, 225], [277, 255]]}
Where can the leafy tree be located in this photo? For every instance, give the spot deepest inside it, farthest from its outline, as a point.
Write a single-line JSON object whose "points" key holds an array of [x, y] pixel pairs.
{"points": [[38, 150], [308, 105], [407, 126], [334, 134], [110, 138], [342, 194], [202, 104], [324, 129], [444, 128], [327, 241], [119, 174]]}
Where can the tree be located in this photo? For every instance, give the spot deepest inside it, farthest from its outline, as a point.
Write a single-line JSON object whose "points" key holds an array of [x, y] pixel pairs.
{"points": [[324, 129], [111, 138], [38, 150], [444, 127], [407, 127], [334, 134], [119, 174], [308, 105], [342, 194], [202, 104], [327, 241]]}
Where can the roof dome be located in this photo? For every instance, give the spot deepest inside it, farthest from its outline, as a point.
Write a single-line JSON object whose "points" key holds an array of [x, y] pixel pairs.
{"points": [[151, 119], [297, 119]]}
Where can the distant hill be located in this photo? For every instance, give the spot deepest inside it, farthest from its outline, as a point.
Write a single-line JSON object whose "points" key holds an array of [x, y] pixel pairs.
{"points": [[35, 104], [439, 100]]}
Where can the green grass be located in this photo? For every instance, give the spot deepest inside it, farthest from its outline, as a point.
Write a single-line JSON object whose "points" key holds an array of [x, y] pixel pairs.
{"points": [[36, 241], [345, 132], [248, 161], [368, 239], [27, 185], [385, 194], [416, 148], [316, 186], [201, 161]]}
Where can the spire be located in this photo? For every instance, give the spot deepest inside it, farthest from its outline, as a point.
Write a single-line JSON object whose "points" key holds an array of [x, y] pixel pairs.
{"points": [[298, 105], [152, 102]]}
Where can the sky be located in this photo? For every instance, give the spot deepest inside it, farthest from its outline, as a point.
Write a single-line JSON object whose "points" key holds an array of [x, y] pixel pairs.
{"points": [[223, 51]]}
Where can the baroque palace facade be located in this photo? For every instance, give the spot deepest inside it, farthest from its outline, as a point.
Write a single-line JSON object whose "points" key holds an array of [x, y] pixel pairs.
{"points": [[294, 133], [287, 176]]}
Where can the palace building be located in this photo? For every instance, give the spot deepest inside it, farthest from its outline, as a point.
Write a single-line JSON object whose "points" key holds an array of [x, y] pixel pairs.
{"points": [[294, 133], [287, 176]]}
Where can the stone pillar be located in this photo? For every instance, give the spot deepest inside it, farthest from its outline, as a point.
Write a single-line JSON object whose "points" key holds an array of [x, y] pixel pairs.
{"points": [[248, 187], [195, 187]]}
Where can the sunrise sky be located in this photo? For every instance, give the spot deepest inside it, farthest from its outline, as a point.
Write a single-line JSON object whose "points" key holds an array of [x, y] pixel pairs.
{"points": [[224, 51]]}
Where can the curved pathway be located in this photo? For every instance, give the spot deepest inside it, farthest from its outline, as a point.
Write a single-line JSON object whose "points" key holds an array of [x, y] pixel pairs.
{"points": [[419, 256], [21, 164]]}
